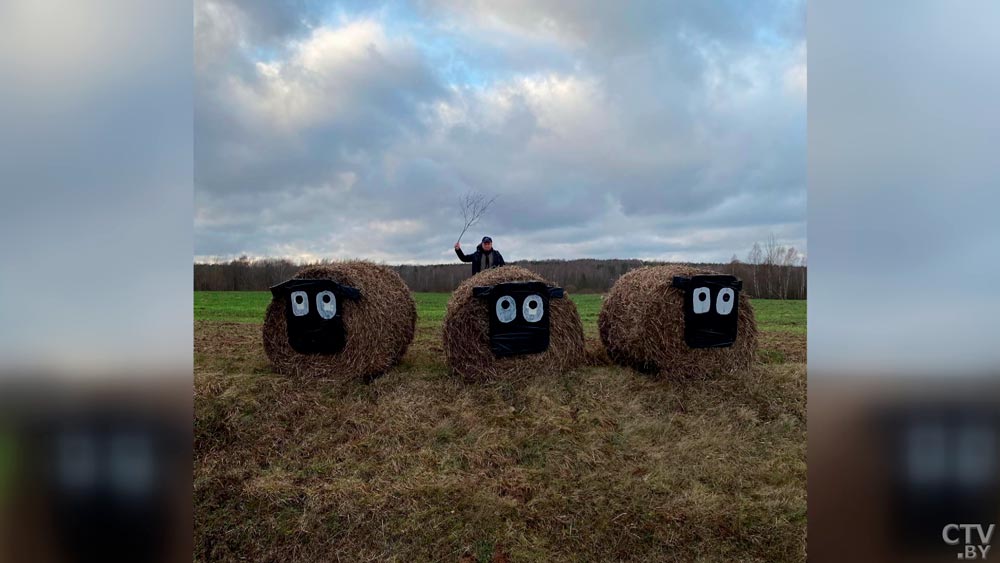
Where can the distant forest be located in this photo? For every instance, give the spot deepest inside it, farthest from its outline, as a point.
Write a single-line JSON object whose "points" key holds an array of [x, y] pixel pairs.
{"points": [[766, 273]]}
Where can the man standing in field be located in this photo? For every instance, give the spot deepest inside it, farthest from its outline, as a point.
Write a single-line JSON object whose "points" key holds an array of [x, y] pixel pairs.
{"points": [[483, 258]]}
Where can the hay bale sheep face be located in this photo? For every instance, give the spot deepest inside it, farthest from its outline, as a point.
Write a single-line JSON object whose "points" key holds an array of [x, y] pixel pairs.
{"points": [[346, 320], [313, 320], [519, 316], [679, 321], [509, 322]]}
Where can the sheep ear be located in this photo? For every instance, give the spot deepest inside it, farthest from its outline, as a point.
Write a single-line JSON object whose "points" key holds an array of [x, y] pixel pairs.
{"points": [[556, 292], [282, 288], [349, 292], [482, 291], [681, 282]]}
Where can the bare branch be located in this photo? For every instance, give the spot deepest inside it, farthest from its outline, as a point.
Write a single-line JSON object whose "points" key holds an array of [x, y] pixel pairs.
{"points": [[474, 206]]}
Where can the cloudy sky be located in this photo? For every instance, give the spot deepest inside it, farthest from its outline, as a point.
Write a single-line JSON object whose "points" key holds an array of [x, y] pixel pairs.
{"points": [[659, 130]]}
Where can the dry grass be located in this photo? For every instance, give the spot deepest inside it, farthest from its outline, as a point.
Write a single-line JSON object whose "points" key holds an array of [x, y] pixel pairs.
{"points": [[780, 347], [600, 463]]}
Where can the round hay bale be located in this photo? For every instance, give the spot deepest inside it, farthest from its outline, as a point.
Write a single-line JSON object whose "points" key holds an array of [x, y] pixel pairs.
{"points": [[378, 326], [466, 332], [642, 326]]}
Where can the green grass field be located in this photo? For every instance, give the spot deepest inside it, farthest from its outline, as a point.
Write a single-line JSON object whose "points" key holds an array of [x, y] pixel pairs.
{"points": [[249, 306], [598, 464]]}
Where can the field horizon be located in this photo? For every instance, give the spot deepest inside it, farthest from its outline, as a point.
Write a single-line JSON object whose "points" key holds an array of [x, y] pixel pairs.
{"points": [[781, 274]]}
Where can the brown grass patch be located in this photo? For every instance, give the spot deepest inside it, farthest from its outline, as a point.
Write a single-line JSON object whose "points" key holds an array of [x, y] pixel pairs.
{"points": [[595, 354], [782, 347], [598, 463]]}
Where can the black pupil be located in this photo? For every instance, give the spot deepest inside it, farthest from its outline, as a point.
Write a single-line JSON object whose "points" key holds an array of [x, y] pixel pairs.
{"points": [[532, 304], [725, 297], [298, 299], [505, 304], [702, 296], [326, 299]]}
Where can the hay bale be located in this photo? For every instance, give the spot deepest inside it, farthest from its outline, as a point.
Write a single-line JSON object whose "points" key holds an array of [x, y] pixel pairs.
{"points": [[467, 328], [642, 326], [379, 325]]}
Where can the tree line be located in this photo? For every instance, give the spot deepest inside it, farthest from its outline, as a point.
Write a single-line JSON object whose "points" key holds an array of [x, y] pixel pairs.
{"points": [[770, 271]]}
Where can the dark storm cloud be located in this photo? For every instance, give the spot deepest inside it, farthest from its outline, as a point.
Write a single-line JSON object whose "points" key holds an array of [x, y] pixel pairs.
{"points": [[659, 131]]}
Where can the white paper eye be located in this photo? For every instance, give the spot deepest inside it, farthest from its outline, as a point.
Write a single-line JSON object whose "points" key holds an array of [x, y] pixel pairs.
{"points": [[533, 308], [724, 302], [506, 309], [702, 300], [326, 304], [300, 303]]}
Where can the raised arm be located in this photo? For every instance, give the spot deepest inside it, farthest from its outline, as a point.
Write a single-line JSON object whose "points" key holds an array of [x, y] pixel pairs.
{"points": [[461, 255]]}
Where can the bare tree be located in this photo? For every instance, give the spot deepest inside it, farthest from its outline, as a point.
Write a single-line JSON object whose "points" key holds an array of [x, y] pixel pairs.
{"points": [[789, 258], [802, 276], [776, 271], [581, 275], [772, 259], [474, 206], [754, 258]]}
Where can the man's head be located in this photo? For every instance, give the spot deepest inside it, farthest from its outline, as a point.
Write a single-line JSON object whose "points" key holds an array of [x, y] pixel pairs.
{"points": [[487, 244]]}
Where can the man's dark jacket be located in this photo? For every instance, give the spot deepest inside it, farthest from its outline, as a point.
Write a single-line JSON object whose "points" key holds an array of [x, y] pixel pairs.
{"points": [[496, 260]]}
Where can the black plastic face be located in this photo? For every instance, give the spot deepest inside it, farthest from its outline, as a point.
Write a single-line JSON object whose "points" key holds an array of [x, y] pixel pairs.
{"points": [[519, 316], [313, 314], [940, 460], [711, 310], [106, 481]]}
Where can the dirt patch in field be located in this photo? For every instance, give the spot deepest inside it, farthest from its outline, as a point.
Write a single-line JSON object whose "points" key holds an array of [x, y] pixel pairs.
{"points": [[228, 347]]}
